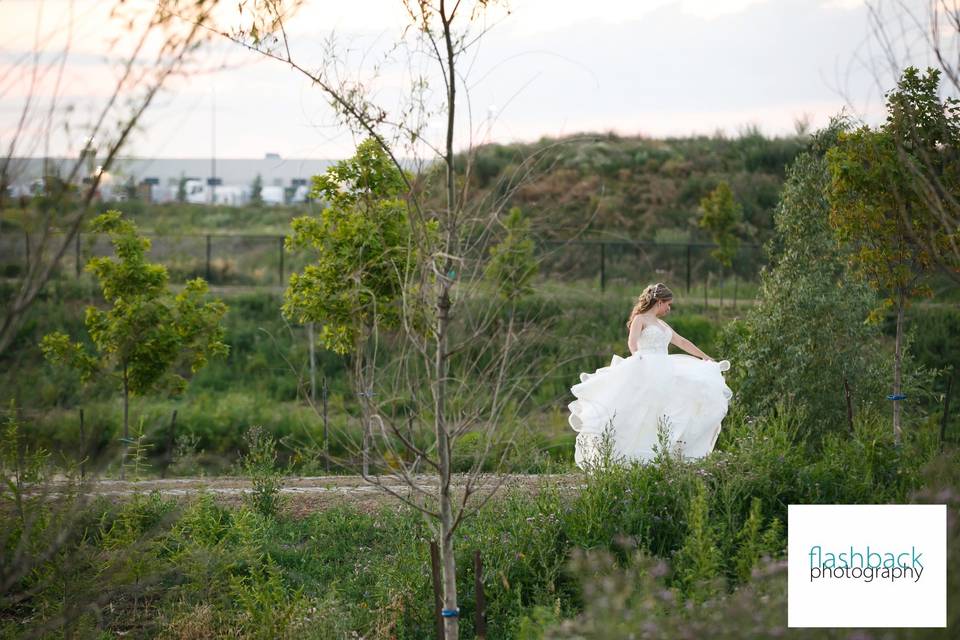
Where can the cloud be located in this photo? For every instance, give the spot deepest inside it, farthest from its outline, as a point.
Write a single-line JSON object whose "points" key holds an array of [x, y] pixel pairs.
{"points": [[549, 68]]}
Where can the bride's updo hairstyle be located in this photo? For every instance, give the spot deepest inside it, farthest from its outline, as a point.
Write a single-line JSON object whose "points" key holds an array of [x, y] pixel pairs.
{"points": [[650, 296]]}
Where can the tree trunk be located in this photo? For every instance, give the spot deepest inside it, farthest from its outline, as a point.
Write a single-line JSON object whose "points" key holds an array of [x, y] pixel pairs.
{"points": [[897, 369], [503, 363], [451, 625], [721, 293], [362, 390], [313, 364]]}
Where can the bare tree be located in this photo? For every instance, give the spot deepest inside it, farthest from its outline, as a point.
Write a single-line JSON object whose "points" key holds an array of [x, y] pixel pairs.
{"points": [[464, 360], [151, 48]]}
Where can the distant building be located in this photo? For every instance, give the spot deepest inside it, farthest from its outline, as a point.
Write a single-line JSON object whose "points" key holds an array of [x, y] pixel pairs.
{"points": [[283, 180]]}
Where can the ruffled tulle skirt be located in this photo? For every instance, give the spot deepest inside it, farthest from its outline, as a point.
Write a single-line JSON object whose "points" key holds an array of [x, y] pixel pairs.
{"points": [[634, 396]]}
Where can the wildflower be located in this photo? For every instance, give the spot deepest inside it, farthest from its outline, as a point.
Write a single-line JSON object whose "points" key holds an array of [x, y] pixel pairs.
{"points": [[659, 569]]}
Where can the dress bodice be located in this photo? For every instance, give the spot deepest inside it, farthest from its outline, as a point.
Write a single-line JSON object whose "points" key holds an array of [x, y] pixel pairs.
{"points": [[654, 339]]}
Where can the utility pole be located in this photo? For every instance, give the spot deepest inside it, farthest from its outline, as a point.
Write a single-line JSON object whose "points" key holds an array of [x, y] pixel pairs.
{"points": [[213, 145]]}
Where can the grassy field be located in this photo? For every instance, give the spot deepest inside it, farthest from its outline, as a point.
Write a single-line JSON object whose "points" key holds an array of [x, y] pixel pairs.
{"points": [[256, 385], [264, 378]]}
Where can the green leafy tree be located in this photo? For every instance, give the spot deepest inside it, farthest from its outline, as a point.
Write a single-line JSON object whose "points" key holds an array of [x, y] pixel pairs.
{"points": [[512, 264], [511, 269], [878, 207], [256, 191], [362, 244], [721, 215], [364, 254], [148, 338], [935, 27], [805, 339]]}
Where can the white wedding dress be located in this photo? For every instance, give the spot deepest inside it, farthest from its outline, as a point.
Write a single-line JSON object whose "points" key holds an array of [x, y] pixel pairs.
{"points": [[634, 395]]}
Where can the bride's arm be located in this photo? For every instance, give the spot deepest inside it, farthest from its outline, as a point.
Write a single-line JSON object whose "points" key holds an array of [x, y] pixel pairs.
{"points": [[688, 346], [635, 328]]}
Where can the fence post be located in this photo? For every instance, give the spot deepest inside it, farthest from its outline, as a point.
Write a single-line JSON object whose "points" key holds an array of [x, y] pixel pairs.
{"points": [[706, 283], [603, 261], [208, 258], [721, 290], [365, 462], [480, 616], [280, 245], [688, 269], [83, 447], [437, 599], [326, 442]]}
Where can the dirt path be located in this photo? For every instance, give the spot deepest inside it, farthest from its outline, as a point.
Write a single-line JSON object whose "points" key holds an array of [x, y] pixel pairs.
{"points": [[306, 495]]}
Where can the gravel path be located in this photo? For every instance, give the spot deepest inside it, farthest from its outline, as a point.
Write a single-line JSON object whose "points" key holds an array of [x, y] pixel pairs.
{"points": [[305, 495]]}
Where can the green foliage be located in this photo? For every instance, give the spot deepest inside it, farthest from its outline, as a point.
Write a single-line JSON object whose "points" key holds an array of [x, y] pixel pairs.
{"points": [[878, 201], [270, 607], [879, 197], [623, 597], [211, 570], [148, 337], [647, 185], [20, 464], [363, 248], [136, 461], [697, 564], [721, 216], [750, 542], [259, 464], [512, 265], [926, 131], [805, 337]]}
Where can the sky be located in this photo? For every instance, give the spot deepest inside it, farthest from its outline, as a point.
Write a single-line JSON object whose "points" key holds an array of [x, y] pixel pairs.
{"points": [[541, 68]]}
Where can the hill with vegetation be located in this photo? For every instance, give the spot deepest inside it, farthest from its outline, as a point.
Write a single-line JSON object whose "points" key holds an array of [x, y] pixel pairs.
{"points": [[636, 188]]}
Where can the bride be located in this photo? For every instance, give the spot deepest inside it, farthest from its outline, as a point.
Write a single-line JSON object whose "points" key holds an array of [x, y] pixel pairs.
{"points": [[636, 396]]}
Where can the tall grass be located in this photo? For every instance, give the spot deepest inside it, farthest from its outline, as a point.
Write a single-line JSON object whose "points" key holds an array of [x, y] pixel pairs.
{"points": [[691, 531]]}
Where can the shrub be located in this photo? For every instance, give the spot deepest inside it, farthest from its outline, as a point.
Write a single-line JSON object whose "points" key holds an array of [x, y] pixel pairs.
{"points": [[259, 463], [806, 337]]}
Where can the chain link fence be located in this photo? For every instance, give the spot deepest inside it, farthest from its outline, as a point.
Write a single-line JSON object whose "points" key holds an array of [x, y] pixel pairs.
{"points": [[261, 261], [684, 266]]}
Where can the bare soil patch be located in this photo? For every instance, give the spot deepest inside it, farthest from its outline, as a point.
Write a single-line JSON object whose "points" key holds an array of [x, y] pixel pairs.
{"points": [[306, 495]]}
